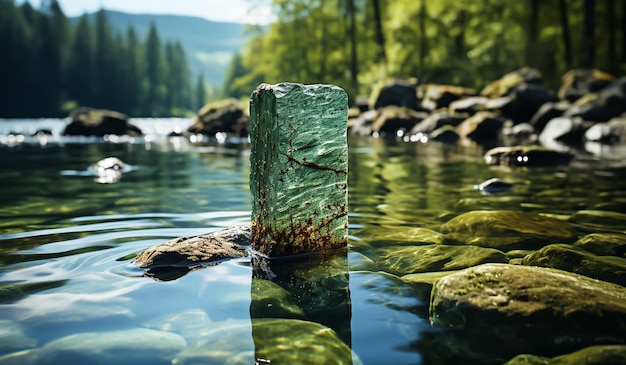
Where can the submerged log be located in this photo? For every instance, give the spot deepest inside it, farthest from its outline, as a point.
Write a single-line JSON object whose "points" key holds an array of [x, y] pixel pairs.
{"points": [[299, 168]]}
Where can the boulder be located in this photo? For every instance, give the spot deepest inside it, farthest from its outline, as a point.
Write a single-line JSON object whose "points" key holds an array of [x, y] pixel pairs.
{"points": [[547, 112], [603, 219], [440, 96], [604, 244], [398, 92], [608, 103], [507, 230], [445, 134], [469, 105], [362, 125], [575, 259], [86, 121], [530, 156], [225, 116], [437, 120], [393, 120], [592, 355], [511, 80], [613, 131], [416, 259], [501, 309], [564, 129], [577, 83], [481, 127]]}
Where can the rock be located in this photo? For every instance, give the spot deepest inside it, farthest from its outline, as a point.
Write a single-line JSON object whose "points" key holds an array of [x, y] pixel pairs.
{"points": [[574, 259], [362, 125], [592, 355], [564, 129], [608, 103], [440, 96], [381, 235], [522, 133], [225, 116], [499, 310], [577, 83], [469, 105], [396, 92], [299, 168], [133, 346], [600, 219], [523, 102], [507, 230], [493, 186], [423, 282], [481, 127], [531, 156], [437, 120], [175, 258], [99, 122], [614, 131], [604, 244], [409, 260], [396, 121], [445, 134], [508, 82], [547, 112]]}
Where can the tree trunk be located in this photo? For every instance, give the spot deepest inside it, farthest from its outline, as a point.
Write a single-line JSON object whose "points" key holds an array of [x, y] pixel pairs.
{"points": [[380, 37], [612, 62], [587, 58], [565, 34], [459, 39], [354, 67], [423, 44], [533, 33]]}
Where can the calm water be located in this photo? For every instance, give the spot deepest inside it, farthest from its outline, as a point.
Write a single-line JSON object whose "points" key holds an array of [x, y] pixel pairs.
{"points": [[66, 241]]}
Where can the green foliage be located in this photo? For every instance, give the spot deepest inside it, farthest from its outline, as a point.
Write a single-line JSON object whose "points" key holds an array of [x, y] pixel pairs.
{"points": [[465, 42], [52, 65]]}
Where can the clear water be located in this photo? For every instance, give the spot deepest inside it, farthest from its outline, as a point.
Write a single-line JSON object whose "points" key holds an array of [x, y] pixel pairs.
{"points": [[66, 241]]}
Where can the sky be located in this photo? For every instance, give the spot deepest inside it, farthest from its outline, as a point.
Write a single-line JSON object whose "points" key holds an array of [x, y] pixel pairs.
{"points": [[241, 11]]}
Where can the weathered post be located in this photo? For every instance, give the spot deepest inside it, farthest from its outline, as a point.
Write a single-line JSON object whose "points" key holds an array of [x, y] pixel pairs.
{"points": [[299, 168]]}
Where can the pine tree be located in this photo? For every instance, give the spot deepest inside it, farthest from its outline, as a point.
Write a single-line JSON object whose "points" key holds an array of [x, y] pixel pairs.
{"points": [[154, 76], [81, 68]]}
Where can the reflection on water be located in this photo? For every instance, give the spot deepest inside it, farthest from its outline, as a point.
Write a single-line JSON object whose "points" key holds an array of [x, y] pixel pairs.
{"points": [[68, 293]]}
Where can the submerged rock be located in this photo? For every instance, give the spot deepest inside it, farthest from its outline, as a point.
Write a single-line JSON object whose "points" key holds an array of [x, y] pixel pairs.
{"points": [[276, 301], [133, 346], [605, 244], [408, 260], [494, 185], [507, 230], [511, 309], [593, 355], [531, 156], [574, 259], [600, 219], [175, 258]]}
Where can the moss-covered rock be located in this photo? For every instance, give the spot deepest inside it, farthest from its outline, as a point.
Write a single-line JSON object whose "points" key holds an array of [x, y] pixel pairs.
{"points": [[499, 310], [408, 260], [275, 300], [381, 235], [223, 116], [604, 244], [574, 259], [593, 355], [507, 230], [423, 282], [600, 218]]}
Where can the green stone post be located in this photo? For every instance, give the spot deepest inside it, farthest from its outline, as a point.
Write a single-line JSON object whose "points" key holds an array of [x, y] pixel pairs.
{"points": [[299, 168]]}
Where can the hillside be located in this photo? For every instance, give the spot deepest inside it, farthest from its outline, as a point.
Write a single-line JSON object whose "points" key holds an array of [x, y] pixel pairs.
{"points": [[209, 45]]}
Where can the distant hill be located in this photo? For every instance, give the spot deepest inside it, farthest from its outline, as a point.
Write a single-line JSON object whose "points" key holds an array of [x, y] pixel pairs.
{"points": [[209, 45]]}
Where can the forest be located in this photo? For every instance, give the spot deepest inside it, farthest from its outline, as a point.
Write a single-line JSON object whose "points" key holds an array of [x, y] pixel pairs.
{"points": [[356, 43], [53, 66]]}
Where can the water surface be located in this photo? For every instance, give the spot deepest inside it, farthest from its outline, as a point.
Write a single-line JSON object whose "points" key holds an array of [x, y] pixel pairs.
{"points": [[66, 241]]}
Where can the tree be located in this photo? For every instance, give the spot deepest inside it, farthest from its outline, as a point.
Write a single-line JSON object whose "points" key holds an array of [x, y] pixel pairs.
{"points": [[587, 57], [201, 97], [81, 68], [154, 76]]}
